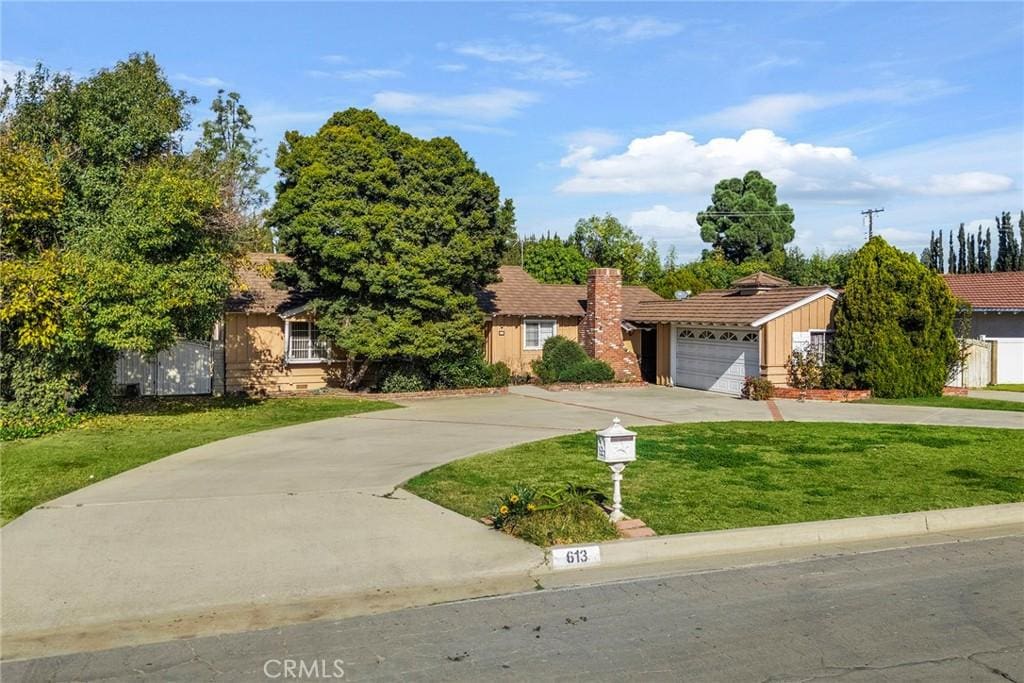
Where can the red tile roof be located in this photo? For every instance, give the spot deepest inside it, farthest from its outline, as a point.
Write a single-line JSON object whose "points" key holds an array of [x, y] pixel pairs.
{"points": [[993, 291], [724, 306], [519, 294]]}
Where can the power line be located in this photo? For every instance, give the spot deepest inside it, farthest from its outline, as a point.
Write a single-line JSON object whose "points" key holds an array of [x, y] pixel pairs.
{"points": [[870, 213]]}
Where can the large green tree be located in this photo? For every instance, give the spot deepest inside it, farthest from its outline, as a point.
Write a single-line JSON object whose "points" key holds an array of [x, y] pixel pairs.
{"points": [[745, 220], [229, 149], [116, 241], [555, 261], [394, 234], [894, 324], [606, 242]]}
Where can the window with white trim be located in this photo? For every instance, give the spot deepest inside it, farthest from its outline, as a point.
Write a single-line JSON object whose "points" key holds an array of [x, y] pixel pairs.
{"points": [[536, 332], [305, 345], [820, 341]]}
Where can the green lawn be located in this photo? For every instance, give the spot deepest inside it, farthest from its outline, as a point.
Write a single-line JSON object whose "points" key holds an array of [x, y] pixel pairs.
{"points": [[954, 402], [33, 471], [704, 476], [1006, 387]]}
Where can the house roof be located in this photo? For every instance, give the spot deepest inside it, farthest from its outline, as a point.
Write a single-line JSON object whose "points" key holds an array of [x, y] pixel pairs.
{"points": [[516, 293], [760, 279], [989, 291], [254, 292], [728, 306]]}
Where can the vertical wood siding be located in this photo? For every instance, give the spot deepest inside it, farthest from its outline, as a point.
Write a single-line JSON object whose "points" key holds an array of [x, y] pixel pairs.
{"points": [[254, 358], [777, 335]]}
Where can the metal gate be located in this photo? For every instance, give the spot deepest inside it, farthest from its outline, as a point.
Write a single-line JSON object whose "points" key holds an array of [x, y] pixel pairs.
{"points": [[185, 368]]}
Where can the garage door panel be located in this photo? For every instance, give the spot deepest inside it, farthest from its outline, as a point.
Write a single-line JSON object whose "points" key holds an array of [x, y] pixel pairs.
{"points": [[715, 364]]}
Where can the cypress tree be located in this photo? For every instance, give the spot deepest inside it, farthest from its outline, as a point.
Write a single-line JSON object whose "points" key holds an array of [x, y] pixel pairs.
{"points": [[961, 261], [952, 254], [972, 255], [939, 255], [980, 242], [988, 250], [1020, 250]]}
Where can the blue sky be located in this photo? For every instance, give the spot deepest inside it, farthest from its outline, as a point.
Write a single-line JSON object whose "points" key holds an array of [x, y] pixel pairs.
{"points": [[630, 108]]}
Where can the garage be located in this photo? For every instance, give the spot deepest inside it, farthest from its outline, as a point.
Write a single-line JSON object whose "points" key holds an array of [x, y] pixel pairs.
{"points": [[715, 360]]}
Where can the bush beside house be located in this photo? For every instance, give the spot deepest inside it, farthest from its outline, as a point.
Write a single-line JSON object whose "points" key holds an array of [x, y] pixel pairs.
{"points": [[564, 360]]}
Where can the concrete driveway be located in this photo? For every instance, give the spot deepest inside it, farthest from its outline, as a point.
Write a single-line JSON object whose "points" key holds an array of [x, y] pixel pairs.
{"points": [[304, 522]]}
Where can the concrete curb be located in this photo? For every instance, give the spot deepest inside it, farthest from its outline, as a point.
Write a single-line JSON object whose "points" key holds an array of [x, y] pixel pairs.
{"points": [[683, 546]]}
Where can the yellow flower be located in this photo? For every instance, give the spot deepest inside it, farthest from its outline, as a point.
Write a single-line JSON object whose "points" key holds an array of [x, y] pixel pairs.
{"points": [[531, 507], [513, 498], [503, 509]]}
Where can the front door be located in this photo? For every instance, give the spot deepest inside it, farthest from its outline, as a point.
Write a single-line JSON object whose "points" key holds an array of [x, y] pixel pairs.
{"points": [[649, 355]]}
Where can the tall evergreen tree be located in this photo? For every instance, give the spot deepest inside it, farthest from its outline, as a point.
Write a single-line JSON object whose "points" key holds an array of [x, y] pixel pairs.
{"points": [[961, 260], [939, 260], [1020, 250], [972, 255], [1009, 256], [952, 254], [988, 250]]}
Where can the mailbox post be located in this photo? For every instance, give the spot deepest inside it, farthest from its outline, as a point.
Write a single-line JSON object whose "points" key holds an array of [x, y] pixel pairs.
{"points": [[616, 446]]}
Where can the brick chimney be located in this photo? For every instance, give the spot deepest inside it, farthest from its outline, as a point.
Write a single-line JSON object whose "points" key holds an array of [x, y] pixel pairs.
{"points": [[601, 331]]}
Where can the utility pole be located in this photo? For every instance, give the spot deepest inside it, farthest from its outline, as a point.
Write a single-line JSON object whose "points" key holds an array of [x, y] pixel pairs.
{"points": [[870, 213]]}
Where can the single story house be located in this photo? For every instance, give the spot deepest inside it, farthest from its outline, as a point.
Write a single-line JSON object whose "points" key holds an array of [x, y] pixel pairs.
{"points": [[997, 316], [710, 341]]}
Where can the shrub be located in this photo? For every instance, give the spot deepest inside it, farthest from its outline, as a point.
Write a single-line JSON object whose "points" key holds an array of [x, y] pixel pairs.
{"points": [[501, 376], [804, 370], [402, 381], [570, 514], [512, 507], [894, 324], [460, 373], [565, 361], [757, 389]]}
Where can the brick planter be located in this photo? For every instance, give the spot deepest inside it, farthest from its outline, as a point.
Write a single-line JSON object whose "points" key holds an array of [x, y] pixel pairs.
{"points": [[567, 386], [954, 391], [840, 395]]}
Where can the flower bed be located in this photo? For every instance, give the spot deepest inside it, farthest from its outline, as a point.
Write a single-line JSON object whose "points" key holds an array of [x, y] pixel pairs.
{"points": [[841, 395], [439, 393]]}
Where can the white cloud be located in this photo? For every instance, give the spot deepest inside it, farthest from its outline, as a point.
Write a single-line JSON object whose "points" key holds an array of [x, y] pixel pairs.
{"points": [[782, 109], [452, 68], [661, 222], [675, 162], [532, 62], [9, 70], [491, 105], [626, 29], [357, 74], [973, 182], [204, 81], [775, 62], [335, 59]]}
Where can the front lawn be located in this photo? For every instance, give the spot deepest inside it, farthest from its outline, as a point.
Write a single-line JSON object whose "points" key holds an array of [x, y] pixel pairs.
{"points": [[33, 471], [1006, 387], [953, 402], [704, 476]]}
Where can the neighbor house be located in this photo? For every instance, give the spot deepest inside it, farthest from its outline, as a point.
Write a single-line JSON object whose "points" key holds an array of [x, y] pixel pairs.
{"points": [[710, 341], [997, 316]]}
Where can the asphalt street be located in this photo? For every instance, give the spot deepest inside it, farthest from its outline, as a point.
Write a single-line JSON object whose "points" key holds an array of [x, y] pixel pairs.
{"points": [[948, 612]]}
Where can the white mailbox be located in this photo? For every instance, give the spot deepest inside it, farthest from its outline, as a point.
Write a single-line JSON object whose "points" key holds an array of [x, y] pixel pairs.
{"points": [[616, 444]]}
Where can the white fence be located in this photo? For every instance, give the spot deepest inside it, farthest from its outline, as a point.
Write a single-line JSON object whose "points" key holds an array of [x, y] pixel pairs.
{"points": [[185, 368], [977, 367], [1009, 360]]}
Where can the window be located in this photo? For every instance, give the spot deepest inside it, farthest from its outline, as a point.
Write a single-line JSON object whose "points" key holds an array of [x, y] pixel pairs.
{"points": [[728, 336], [750, 336], [305, 345], [536, 332], [686, 334], [820, 341], [706, 334]]}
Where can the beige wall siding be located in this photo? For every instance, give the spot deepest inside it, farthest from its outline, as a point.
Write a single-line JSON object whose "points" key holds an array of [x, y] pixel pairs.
{"points": [[777, 335], [504, 341], [254, 358], [664, 364]]}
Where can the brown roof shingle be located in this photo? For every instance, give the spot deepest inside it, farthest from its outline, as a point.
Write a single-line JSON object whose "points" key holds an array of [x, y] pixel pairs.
{"points": [[254, 291], [723, 306], [994, 291], [760, 279], [519, 294]]}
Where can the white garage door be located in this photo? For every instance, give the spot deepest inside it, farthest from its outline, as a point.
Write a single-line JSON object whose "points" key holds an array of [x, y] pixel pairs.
{"points": [[715, 360], [1009, 360]]}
